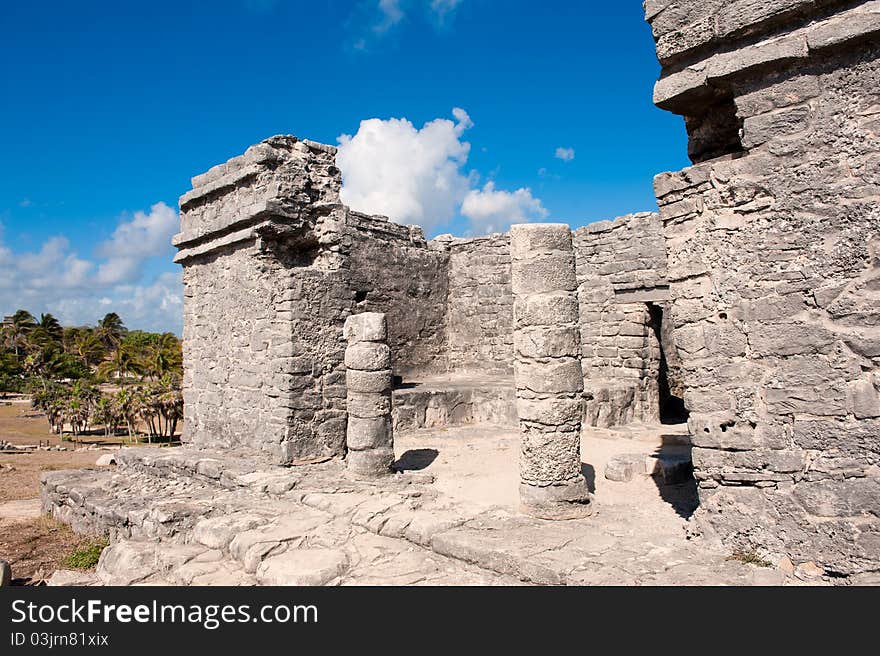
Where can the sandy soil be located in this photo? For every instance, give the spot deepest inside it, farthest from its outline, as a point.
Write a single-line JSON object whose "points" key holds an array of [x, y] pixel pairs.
{"points": [[20, 472], [35, 545], [478, 465]]}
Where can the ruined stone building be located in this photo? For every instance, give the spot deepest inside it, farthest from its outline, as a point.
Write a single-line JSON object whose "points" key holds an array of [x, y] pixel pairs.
{"points": [[749, 305]]}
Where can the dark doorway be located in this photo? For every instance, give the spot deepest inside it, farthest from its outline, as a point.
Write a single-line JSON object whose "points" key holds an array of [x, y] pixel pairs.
{"points": [[672, 410]]}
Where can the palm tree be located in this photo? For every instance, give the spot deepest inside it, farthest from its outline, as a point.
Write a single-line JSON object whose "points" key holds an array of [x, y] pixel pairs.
{"points": [[121, 362], [17, 329], [49, 398], [79, 405], [111, 329], [51, 326], [147, 410], [163, 357], [170, 403], [126, 410], [86, 344], [105, 412]]}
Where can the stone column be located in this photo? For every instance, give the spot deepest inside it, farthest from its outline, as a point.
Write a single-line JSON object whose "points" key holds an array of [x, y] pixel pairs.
{"points": [[369, 438], [547, 368]]}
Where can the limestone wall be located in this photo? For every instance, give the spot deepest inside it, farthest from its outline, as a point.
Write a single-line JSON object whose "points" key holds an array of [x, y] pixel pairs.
{"points": [[479, 312], [265, 293], [621, 268], [774, 272], [230, 347], [393, 270]]}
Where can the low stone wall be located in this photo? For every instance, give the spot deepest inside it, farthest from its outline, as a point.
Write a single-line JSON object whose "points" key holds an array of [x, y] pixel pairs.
{"points": [[434, 405]]}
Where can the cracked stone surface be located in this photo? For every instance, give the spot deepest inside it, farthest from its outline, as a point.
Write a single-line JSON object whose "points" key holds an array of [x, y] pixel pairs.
{"points": [[437, 525]]}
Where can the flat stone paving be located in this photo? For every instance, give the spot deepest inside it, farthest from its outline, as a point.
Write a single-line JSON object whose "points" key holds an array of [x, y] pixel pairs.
{"points": [[449, 519]]}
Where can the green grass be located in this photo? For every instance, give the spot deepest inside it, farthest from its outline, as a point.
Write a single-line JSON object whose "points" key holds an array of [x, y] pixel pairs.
{"points": [[86, 557], [749, 557]]}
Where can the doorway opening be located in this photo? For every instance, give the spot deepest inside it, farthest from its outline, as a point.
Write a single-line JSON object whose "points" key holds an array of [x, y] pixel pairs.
{"points": [[669, 383]]}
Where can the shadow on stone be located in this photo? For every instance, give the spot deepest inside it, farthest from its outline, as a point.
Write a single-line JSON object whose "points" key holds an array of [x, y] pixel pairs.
{"points": [[674, 476], [416, 459], [589, 473]]}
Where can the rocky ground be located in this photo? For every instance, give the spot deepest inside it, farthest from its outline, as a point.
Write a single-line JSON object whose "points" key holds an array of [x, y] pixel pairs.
{"points": [[195, 517]]}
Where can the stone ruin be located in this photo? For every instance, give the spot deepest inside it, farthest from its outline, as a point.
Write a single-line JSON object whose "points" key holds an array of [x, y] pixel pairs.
{"points": [[749, 306]]}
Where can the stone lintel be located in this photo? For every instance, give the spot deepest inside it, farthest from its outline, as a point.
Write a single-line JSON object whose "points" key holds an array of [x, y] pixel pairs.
{"points": [[647, 295]]}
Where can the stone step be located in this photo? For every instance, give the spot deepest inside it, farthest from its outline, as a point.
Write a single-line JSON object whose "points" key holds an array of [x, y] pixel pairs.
{"points": [[456, 402], [102, 502], [668, 468]]}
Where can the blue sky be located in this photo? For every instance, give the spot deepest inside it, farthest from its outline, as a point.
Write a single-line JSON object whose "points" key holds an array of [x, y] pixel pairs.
{"points": [[111, 107]]}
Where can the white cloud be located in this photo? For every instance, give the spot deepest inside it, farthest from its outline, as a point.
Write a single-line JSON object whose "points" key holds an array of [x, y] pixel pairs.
{"points": [[154, 306], [145, 235], [493, 210], [410, 175], [444, 10], [373, 19], [390, 14], [80, 291], [565, 154]]}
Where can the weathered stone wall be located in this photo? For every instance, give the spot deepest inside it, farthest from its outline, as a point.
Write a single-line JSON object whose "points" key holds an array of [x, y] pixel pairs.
{"points": [[395, 271], [774, 271], [621, 267], [479, 313], [265, 294]]}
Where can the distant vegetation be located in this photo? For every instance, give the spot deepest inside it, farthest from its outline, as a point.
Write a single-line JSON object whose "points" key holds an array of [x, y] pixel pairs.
{"points": [[90, 376]]}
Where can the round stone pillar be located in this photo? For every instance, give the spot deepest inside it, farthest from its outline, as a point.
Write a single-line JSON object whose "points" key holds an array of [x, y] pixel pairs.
{"points": [[547, 369], [369, 437]]}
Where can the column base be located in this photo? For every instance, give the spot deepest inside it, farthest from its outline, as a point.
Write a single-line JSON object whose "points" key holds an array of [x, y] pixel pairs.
{"points": [[372, 463], [571, 500]]}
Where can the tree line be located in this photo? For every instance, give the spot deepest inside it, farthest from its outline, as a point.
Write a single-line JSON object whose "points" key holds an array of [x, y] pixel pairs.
{"points": [[84, 377]]}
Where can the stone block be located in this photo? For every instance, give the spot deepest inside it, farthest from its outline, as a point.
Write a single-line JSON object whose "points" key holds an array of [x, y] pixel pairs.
{"points": [[623, 467], [550, 308], [834, 498], [530, 239], [368, 356], [366, 327], [864, 398], [764, 127], [553, 411], [368, 433], [563, 501], [558, 376], [549, 454], [303, 567], [556, 342], [365, 405], [368, 381], [545, 273], [371, 462]]}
